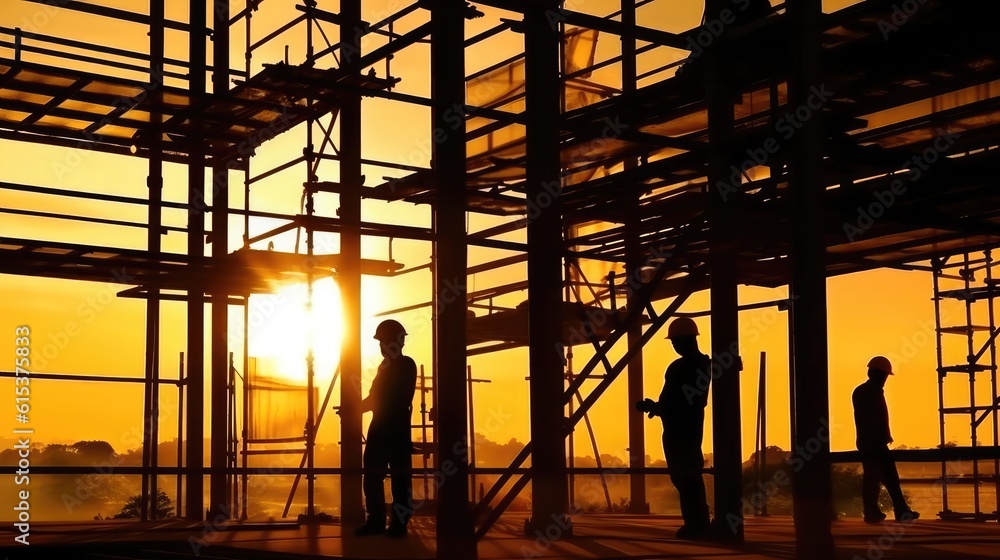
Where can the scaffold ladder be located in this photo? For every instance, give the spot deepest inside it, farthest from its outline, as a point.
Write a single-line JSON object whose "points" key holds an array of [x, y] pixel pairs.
{"points": [[978, 331]]}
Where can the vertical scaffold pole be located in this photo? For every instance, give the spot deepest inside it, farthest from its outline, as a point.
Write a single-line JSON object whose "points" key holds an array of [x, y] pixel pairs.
{"points": [[549, 485], [155, 185], [725, 207], [221, 363], [633, 265], [196, 289], [812, 498], [349, 273], [454, 523]]}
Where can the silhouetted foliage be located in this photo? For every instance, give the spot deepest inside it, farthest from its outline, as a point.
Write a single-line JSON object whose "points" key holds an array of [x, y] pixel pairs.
{"points": [[775, 485], [94, 450], [133, 508]]}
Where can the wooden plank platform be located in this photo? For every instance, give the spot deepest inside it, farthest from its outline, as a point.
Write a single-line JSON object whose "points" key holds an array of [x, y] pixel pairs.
{"points": [[597, 537]]}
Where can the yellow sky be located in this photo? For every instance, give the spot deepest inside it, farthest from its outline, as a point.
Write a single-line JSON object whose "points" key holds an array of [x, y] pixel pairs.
{"points": [[82, 328]]}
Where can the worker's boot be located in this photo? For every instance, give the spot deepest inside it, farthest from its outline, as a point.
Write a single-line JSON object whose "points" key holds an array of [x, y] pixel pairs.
{"points": [[694, 532], [698, 528], [874, 517], [396, 530], [398, 520], [906, 515], [373, 526]]}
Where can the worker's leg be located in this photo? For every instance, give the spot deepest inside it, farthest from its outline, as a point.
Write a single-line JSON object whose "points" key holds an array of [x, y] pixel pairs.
{"points": [[401, 465], [375, 463], [871, 477], [890, 478], [691, 488], [686, 463]]}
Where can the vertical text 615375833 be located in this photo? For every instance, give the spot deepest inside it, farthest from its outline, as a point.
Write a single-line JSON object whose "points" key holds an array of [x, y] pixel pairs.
{"points": [[22, 432]]}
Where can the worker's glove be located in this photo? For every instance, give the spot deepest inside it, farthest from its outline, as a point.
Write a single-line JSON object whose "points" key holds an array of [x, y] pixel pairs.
{"points": [[647, 406]]}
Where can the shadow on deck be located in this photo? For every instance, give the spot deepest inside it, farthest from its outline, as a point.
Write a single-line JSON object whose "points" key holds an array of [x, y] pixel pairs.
{"points": [[602, 537]]}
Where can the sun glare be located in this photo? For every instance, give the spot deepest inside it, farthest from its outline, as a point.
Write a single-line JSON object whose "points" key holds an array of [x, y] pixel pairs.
{"points": [[282, 334]]}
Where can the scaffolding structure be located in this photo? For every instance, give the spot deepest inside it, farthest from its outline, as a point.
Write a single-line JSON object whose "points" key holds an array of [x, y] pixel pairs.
{"points": [[976, 331], [766, 161]]}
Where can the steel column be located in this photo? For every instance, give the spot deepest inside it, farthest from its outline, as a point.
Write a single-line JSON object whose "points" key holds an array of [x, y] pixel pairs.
{"points": [[154, 183], [455, 531], [180, 436], [633, 267], [349, 273], [811, 496], [196, 293], [725, 203], [310, 202], [549, 489], [218, 487]]}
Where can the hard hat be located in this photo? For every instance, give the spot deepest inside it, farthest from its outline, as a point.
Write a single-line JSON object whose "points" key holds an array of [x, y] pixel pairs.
{"points": [[682, 326], [881, 363], [389, 331]]}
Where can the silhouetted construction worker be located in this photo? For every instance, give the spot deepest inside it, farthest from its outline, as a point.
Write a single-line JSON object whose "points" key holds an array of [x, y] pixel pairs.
{"points": [[389, 443], [871, 419], [681, 407]]}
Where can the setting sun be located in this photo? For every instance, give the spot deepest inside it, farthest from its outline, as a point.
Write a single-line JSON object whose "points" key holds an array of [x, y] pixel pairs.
{"points": [[506, 278], [281, 331]]}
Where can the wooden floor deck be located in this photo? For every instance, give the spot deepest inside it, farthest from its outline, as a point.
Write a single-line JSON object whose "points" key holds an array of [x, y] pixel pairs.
{"points": [[603, 537]]}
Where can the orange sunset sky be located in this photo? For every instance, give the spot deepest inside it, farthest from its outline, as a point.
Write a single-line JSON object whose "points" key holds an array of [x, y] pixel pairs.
{"points": [[82, 328]]}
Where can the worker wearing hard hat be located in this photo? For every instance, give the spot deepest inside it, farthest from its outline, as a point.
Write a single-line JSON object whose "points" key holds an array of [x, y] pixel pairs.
{"points": [[681, 408], [871, 418], [389, 442]]}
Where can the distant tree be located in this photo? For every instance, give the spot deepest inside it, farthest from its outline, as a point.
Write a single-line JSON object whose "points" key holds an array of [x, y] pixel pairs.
{"points": [[772, 455], [949, 443], [846, 481], [133, 508], [776, 484], [623, 505], [96, 449], [58, 454]]}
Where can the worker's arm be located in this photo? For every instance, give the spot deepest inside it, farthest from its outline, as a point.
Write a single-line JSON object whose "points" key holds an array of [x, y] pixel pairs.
{"points": [[649, 406], [366, 404], [409, 385]]}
